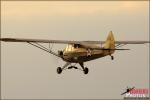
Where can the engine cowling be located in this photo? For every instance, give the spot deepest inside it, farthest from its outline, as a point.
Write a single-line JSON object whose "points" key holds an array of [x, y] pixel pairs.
{"points": [[60, 53]]}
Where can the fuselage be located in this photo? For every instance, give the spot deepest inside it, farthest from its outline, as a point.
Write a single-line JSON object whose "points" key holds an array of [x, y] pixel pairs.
{"points": [[80, 54]]}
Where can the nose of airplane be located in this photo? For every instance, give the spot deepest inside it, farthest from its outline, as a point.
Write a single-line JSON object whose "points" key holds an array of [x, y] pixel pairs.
{"points": [[60, 53]]}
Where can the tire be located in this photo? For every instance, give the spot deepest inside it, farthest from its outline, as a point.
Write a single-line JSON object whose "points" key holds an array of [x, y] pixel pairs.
{"points": [[112, 57], [86, 70], [59, 70]]}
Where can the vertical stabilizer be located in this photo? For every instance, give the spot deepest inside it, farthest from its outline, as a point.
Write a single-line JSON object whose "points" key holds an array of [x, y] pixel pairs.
{"points": [[110, 42]]}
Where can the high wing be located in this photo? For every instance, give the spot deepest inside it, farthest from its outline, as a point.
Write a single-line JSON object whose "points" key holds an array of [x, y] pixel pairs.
{"points": [[119, 42], [39, 41], [68, 42], [35, 42]]}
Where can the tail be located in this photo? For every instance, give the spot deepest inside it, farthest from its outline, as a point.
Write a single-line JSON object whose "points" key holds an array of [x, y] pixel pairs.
{"points": [[110, 42]]}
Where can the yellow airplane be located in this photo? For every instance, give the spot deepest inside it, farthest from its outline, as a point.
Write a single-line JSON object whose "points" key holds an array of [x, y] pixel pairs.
{"points": [[79, 52]]}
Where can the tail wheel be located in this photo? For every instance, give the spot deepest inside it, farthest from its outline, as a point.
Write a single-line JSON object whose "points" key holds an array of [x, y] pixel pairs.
{"points": [[112, 57], [86, 70], [59, 70]]}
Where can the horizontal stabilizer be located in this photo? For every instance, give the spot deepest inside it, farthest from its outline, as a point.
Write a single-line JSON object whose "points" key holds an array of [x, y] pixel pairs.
{"points": [[108, 49]]}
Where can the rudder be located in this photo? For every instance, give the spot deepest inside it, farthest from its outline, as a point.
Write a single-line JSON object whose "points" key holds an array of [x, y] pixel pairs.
{"points": [[110, 42]]}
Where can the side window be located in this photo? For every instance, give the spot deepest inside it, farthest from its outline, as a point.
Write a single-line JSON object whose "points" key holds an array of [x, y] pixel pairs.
{"points": [[66, 48], [70, 48]]}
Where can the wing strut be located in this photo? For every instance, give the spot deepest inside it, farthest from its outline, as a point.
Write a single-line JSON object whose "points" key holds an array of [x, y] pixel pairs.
{"points": [[43, 48]]}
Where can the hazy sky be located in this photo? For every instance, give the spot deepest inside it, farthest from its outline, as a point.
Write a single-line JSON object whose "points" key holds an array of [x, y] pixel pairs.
{"points": [[30, 73]]}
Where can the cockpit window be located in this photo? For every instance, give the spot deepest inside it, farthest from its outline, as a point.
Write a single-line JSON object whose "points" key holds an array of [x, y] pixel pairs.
{"points": [[69, 48]]}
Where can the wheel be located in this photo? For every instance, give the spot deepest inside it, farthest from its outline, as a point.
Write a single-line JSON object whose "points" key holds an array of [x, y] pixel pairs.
{"points": [[112, 57], [86, 70], [59, 70]]}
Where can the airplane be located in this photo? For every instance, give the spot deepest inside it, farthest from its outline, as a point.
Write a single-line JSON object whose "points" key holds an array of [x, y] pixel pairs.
{"points": [[79, 52], [128, 90]]}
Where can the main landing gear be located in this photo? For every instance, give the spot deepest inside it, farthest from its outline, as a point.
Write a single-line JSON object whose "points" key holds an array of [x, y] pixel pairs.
{"points": [[59, 70], [84, 69]]}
